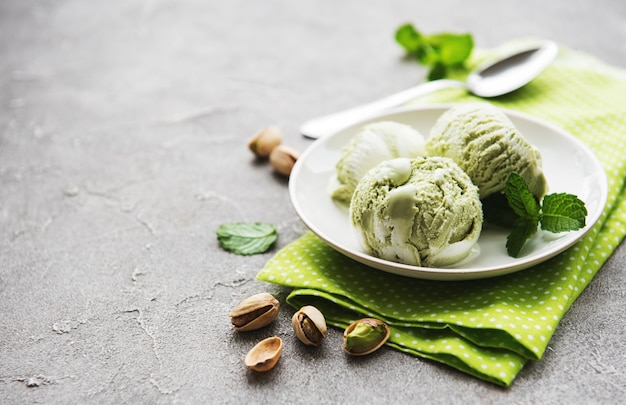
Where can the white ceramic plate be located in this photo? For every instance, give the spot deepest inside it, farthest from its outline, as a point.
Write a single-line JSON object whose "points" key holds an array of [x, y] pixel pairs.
{"points": [[569, 166]]}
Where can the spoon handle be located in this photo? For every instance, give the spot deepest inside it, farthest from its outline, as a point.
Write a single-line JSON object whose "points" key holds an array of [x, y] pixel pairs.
{"points": [[327, 124]]}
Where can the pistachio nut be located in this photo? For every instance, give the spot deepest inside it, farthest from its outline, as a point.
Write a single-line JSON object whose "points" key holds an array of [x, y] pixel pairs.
{"points": [[309, 325], [365, 336], [264, 141], [283, 158], [255, 312], [265, 354]]}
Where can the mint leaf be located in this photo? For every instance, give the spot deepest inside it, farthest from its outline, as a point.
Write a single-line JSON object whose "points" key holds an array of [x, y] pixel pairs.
{"points": [[521, 200], [523, 229], [247, 238], [562, 212], [453, 49], [408, 37], [439, 51], [426, 55], [437, 71]]}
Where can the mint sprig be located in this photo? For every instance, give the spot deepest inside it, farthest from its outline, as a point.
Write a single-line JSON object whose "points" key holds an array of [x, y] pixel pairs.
{"points": [[439, 52], [558, 212], [247, 238]]}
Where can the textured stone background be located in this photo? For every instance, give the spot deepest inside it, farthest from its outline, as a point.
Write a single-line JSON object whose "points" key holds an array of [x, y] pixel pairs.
{"points": [[123, 127]]}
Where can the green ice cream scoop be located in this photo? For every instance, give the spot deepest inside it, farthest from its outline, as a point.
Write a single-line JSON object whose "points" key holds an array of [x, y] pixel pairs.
{"points": [[483, 141], [373, 144], [422, 212]]}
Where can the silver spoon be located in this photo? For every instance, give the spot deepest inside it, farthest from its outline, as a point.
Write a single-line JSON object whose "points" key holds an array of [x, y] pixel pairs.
{"points": [[490, 79]]}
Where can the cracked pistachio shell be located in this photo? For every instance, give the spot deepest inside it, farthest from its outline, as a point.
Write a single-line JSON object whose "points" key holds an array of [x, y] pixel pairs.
{"points": [[263, 142], [365, 336], [283, 158], [265, 354], [255, 312], [309, 325]]}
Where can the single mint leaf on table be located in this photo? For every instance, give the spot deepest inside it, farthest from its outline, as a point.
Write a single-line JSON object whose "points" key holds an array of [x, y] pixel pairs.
{"points": [[247, 238], [523, 229], [562, 212]]}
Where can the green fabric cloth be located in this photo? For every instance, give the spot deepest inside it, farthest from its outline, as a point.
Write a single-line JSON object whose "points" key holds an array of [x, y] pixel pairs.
{"points": [[488, 328]]}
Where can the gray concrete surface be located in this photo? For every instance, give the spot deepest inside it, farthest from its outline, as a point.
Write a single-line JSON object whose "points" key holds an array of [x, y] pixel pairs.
{"points": [[123, 129]]}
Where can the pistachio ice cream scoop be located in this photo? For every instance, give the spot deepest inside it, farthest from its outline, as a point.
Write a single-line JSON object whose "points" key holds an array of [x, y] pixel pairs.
{"points": [[483, 141], [422, 212], [373, 144]]}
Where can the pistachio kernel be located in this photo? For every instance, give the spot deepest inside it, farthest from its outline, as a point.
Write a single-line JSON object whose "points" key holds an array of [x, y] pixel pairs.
{"points": [[365, 336]]}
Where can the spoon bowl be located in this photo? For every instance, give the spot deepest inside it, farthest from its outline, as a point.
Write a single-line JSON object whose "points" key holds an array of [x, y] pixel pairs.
{"points": [[492, 78], [512, 71]]}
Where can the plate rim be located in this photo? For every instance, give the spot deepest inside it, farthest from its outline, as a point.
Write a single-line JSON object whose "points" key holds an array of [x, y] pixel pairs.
{"points": [[457, 273]]}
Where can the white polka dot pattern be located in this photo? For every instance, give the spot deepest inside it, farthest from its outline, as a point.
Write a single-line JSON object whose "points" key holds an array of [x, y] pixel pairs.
{"points": [[487, 328]]}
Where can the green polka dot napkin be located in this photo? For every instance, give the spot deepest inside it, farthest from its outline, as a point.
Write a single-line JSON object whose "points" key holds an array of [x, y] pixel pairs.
{"points": [[488, 328]]}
